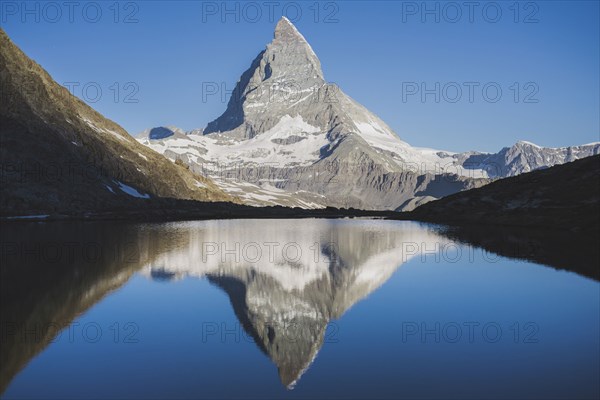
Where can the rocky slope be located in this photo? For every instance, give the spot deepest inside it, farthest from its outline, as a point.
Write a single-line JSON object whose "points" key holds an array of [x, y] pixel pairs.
{"points": [[59, 155], [565, 196], [288, 137]]}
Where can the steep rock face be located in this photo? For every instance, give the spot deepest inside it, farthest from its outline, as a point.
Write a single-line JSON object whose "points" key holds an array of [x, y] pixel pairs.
{"points": [[59, 155], [288, 137], [288, 66], [283, 95]]}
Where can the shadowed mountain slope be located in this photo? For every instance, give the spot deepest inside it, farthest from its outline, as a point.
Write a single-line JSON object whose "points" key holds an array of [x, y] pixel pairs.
{"points": [[58, 154]]}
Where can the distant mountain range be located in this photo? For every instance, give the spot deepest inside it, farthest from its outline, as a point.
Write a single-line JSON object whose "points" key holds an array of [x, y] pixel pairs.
{"points": [[288, 137], [526, 157], [564, 197]]}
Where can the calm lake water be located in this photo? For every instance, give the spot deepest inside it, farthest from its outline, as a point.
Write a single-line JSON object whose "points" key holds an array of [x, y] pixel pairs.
{"points": [[288, 309]]}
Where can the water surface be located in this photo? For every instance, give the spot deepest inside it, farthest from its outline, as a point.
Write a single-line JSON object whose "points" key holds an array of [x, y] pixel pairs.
{"points": [[289, 309]]}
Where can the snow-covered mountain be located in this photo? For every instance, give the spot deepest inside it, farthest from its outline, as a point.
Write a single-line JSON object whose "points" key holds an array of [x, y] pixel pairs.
{"points": [[288, 137], [525, 157]]}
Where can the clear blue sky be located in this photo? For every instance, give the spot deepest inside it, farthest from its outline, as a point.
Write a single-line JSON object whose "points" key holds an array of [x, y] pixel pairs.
{"points": [[375, 51]]}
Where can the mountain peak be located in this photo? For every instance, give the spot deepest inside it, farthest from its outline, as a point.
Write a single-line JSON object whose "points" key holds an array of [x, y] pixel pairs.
{"points": [[526, 143], [285, 30], [284, 21], [288, 36], [287, 71]]}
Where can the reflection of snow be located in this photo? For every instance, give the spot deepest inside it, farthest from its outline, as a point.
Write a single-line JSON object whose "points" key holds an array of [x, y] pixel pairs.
{"points": [[297, 274], [295, 253], [41, 216]]}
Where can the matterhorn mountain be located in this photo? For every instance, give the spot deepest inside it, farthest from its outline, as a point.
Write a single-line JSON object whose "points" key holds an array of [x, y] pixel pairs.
{"points": [[288, 137]]}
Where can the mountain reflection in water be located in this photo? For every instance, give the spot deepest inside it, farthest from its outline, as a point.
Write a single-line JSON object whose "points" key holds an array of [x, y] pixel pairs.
{"points": [[286, 279]]}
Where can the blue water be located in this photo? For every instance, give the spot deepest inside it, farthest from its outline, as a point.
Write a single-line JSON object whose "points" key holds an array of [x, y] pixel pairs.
{"points": [[390, 322]]}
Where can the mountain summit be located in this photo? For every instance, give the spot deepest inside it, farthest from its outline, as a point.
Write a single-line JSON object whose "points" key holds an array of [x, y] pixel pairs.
{"points": [[289, 137], [287, 35], [285, 70], [289, 48]]}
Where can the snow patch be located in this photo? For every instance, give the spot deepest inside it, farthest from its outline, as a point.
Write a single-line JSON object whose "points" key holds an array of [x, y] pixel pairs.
{"points": [[258, 150], [101, 130], [116, 135], [131, 191]]}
